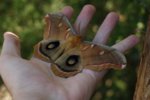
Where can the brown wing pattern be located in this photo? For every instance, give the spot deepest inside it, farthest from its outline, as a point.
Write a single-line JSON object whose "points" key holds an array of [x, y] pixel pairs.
{"points": [[101, 57], [57, 28]]}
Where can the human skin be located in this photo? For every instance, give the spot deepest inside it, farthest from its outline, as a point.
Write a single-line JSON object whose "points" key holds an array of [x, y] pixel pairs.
{"points": [[33, 80]]}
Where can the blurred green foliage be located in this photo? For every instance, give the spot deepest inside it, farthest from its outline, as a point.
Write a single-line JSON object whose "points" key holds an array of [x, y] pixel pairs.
{"points": [[25, 18]]}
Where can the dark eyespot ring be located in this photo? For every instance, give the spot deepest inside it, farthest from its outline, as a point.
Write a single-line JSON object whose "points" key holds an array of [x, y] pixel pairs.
{"points": [[52, 45], [72, 60]]}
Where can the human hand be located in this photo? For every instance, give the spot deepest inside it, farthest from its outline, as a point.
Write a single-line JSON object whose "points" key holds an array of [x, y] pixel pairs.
{"points": [[32, 79]]}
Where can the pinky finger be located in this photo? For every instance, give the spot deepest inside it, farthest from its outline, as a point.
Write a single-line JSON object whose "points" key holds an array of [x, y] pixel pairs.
{"points": [[127, 43]]}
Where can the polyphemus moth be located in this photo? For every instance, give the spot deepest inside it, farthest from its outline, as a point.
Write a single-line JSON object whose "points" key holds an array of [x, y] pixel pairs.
{"points": [[69, 54]]}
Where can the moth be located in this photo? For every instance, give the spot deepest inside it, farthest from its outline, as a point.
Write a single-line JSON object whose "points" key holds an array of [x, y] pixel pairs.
{"points": [[69, 54]]}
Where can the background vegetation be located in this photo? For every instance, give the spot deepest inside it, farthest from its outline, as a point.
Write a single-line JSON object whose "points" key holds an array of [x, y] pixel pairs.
{"points": [[25, 18]]}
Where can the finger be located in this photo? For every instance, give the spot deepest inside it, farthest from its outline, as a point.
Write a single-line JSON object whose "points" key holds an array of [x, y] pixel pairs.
{"points": [[84, 18], [105, 29], [127, 43], [67, 11], [11, 45]]}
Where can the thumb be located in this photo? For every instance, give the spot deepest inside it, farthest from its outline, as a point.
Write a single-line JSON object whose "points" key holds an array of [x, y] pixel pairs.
{"points": [[11, 45]]}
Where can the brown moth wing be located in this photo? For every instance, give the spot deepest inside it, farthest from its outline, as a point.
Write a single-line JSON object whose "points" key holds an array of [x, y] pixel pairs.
{"points": [[61, 73], [62, 67], [37, 53], [99, 57], [57, 28]]}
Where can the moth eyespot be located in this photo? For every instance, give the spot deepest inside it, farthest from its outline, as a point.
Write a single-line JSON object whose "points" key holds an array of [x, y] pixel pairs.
{"points": [[50, 46], [53, 45], [72, 60]]}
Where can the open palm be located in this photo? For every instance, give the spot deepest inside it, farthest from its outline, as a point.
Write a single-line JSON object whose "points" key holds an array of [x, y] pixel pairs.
{"points": [[32, 79]]}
